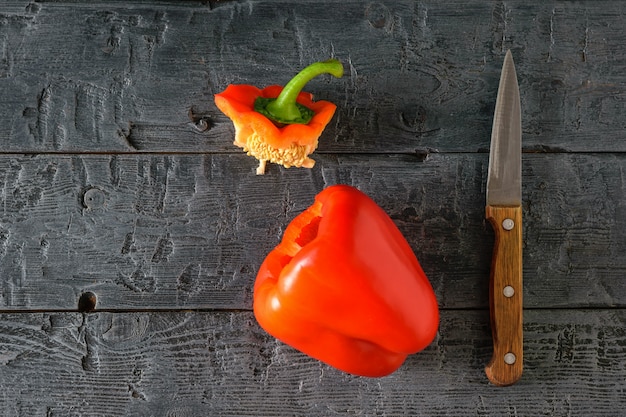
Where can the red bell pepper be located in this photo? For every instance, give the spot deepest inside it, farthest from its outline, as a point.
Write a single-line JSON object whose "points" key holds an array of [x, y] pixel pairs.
{"points": [[276, 124], [345, 287]]}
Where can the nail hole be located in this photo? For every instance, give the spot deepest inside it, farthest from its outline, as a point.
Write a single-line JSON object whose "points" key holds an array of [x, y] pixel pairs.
{"points": [[200, 121], [93, 198], [203, 125], [378, 15], [87, 302]]}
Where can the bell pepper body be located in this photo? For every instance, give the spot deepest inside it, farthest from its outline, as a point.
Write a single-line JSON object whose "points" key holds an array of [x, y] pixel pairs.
{"points": [[345, 287]]}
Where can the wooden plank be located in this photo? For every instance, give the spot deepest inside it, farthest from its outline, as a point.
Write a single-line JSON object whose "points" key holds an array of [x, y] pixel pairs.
{"points": [[119, 179], [17, 7], [194, 363], [82, 78], [189, 231]]}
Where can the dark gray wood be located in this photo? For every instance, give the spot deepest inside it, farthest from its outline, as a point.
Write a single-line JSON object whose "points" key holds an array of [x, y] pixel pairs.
{"points": [[189, 231], [419, 75], [122, 195], [222, 364]]}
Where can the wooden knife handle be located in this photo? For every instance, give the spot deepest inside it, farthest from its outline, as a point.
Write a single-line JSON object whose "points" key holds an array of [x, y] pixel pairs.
{"points": [[505, 296]]}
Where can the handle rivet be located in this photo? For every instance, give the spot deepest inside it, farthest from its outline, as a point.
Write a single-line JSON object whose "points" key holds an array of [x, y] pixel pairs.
{"points": [[508, 291], [510, 358], [508, 224]]}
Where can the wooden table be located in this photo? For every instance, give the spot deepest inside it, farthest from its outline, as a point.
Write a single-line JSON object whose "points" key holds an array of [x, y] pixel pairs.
{"points": [[120, 185]]}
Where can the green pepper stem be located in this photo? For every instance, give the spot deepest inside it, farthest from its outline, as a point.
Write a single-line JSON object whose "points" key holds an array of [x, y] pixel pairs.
{"points": [[284, 109]]}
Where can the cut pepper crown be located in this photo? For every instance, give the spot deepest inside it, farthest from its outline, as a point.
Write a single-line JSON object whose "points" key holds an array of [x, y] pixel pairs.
{"points": [[304, 113], [276, 124], [284, 109]]}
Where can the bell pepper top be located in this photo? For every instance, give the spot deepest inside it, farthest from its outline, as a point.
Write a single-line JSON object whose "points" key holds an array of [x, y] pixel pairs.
{"points": [[276, 124], [344, 286]]}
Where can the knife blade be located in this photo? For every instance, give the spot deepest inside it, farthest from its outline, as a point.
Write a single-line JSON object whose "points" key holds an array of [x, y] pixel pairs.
{"points": [[504, 212]]}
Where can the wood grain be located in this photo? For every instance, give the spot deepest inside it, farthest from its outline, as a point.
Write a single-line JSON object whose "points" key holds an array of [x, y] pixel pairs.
{"points": [[419, 76], [222, 363], [118, 178], [505, 296], [189, 231]]}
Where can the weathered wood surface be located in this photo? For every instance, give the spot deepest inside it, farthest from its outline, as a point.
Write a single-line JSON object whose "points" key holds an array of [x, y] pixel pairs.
{"points": [[118, 177], [189, 231], [420, 75], [222, 364]]}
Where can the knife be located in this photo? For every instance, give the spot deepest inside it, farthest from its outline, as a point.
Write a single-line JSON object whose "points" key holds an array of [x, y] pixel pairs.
{"points": [[504, 212]]}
